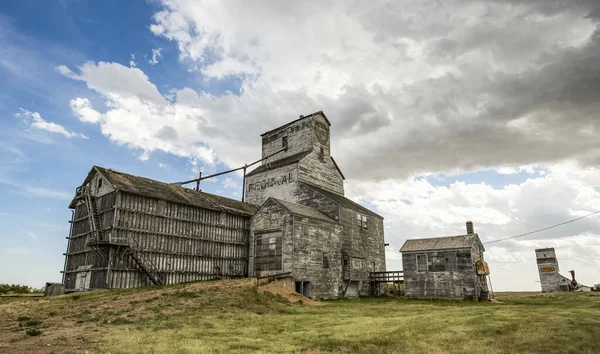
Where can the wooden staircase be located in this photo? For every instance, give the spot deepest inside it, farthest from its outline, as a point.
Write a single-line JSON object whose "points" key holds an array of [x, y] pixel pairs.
{"points": [[144, 263], [97, 243]]}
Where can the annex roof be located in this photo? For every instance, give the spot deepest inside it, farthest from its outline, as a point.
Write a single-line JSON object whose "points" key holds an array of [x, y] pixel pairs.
{"points": [[297, 120], [302, 210], [440, 243], [341, 200], [161, 190], [279, 163]]}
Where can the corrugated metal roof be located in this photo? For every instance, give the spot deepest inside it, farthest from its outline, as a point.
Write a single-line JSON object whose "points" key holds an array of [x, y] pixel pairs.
{"points": [[160, 190], [342, 200], [439, 243], [303, 210], [279, 163]]}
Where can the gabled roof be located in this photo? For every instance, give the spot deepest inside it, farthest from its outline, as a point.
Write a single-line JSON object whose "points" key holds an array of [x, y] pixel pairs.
{"points": [[341, 200], [279, 163], [440, 243], [336, 166], [300, 210], [161, 190], [297, 120]]}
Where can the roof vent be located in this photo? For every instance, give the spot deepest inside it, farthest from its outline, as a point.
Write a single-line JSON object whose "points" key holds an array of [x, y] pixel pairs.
{"points": [[302, 116], [470, 229]]}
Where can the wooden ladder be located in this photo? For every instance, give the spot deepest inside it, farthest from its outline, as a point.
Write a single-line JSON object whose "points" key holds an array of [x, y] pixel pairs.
{"points": [[94, 217]]}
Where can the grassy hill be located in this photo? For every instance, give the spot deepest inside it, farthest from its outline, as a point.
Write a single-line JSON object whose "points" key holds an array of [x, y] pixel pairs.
{"points": [[235, 317]]}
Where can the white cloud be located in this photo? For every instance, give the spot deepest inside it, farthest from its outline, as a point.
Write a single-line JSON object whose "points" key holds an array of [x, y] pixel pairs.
{"points": [[228, 67], [437, 86], [132, 62], [35, 121], [64, 70], [415, 208], [424, 87], [229, 183], [32, 235], [155, 55], [46, 192], [83, 109]]}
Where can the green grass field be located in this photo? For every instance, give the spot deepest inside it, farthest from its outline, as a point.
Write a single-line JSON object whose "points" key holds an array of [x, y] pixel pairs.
{"points": [[235, 317]]}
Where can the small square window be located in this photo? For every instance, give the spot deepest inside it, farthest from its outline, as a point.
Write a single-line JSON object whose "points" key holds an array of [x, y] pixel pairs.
{"points": [[325, 260], [284, 142]]}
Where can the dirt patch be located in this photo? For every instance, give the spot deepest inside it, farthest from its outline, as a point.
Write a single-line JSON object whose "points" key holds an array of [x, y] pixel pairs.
{"points": [[286, 288]]}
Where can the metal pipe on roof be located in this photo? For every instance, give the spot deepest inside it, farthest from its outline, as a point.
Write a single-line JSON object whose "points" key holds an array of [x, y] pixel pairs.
{"points": [[229, 171], [244, 184]]}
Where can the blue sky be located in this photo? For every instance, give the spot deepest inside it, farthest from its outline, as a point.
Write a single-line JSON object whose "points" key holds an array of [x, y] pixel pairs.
{"points": [[435, 121], [40, 170]]}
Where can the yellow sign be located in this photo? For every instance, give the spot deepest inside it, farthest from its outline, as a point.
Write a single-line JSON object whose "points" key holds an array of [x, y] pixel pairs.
{"points": [[547, 269]]}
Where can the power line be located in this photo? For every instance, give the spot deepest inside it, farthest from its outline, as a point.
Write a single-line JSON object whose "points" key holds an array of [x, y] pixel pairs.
{"points": [[544, 229]]}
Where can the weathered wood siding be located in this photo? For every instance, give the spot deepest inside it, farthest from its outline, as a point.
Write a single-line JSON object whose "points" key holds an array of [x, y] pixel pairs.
{"points": [[480, 280], [78, 254], [550, 278], [299, 136], [304, 243], [186, 243], [309, 197], [310, 134], [367, 243], [273, 220], [312, 240], [280, 183], [440, 280], [317, 167]]}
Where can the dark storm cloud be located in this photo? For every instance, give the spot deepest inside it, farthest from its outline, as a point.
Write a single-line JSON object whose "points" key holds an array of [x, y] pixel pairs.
{"points": [[544, 109]]}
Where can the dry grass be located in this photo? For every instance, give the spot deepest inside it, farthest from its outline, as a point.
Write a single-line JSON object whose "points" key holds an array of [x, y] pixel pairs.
{"points": [[233, 316]]}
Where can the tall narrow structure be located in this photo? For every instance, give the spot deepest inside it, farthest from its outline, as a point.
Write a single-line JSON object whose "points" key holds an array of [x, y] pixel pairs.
{"points": [[306, 158], [549, 272], [306, 226]]}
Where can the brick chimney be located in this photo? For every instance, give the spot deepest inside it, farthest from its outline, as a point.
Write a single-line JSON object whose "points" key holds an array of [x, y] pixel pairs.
{"points": [[470, 229]]}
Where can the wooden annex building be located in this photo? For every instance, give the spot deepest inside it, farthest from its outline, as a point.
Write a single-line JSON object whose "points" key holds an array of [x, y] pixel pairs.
{"points": [[129, 231], [143, 232], [445, 267]]}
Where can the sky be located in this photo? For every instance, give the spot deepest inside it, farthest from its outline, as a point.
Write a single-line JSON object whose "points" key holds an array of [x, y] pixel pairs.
{"points": [[441, 112]]}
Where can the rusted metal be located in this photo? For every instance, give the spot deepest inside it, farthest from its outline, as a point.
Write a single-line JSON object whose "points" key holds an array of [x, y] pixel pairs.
{"points": [[482, 268]]}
